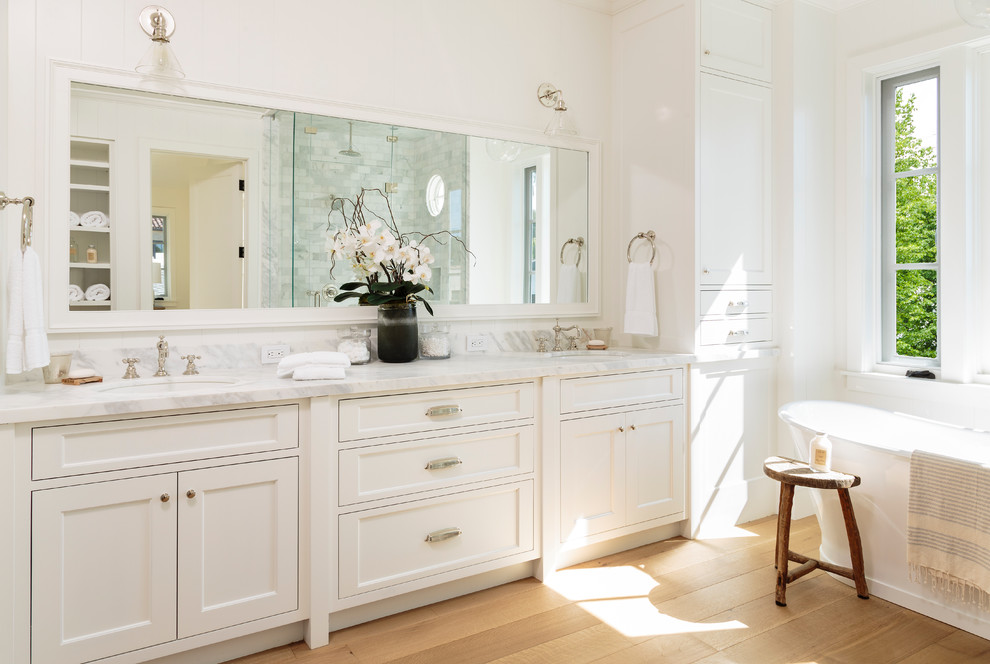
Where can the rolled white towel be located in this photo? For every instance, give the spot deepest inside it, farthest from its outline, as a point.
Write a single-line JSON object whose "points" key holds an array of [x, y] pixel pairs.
{"points": [[98, 292], [94, 219], [74, 219], [322, 357], [76, 294], [318, 372]]}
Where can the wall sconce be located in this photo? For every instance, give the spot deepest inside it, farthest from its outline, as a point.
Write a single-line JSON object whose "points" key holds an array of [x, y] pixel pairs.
{"points": [[159, 60], [974, 12], [552, 97]]}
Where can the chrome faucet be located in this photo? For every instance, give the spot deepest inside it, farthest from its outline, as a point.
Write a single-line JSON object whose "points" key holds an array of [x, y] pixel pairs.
{"points": [[162, 347], [558, 332]]}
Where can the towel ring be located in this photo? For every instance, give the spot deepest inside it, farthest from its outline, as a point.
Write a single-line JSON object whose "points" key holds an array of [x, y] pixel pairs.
{"points": [[579, 241], [650, 236]]}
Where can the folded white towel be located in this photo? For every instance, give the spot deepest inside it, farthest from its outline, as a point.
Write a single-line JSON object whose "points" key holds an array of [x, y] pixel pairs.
{"points": [[98, 292], [318, 372], [568, 284], [74, 219], [641, 301], [94, 219], [322, 357], [76, 294], [27, 342]]}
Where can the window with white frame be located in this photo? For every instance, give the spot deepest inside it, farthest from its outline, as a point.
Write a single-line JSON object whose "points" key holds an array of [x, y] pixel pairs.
{"points": [[910, 218]]}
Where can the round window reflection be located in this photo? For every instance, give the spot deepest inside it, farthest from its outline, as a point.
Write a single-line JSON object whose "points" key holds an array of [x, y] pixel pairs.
{"points": [[435, 192]]}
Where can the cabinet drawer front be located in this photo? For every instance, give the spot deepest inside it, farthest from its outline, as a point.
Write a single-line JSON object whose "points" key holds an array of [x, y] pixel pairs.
{"points": [[388, 546], [73, 449], [579, 394], [432, 411], [736, 331], [382, 471], [736, 302]]}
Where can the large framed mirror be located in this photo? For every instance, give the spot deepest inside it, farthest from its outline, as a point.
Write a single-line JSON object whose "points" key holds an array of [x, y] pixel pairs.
{"points": [[203, 205]]}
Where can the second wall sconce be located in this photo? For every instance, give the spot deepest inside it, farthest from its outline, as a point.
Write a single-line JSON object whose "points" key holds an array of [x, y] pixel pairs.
{"points": [[552, 97], [159, 60]]}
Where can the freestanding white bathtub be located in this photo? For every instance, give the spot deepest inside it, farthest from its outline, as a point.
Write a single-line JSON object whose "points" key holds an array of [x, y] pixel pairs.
{"points": [[876, 445]]}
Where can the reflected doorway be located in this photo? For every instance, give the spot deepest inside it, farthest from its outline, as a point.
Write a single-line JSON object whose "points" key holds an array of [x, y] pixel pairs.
{"points": [[198, 253]]}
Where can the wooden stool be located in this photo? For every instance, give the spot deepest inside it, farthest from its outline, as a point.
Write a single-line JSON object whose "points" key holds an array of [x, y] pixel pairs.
{"points": [[791, 473]]}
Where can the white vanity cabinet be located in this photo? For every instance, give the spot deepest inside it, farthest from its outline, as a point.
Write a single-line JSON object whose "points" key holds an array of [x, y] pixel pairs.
{"points": [[621, 454], [433, 486], [173, 546]]}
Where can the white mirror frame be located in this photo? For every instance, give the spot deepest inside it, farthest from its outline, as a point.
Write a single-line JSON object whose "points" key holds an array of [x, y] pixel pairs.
{"points": [[55, 237]]}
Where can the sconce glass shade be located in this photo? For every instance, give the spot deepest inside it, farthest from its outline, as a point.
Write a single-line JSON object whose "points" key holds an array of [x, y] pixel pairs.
{"points": [[159, 60], [974, 12], [560, 124]]}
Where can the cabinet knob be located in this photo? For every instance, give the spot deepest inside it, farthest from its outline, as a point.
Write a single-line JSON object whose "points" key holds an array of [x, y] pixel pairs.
{"points": [[191, 493], [621, 429], [632, 427], [706, 271], [165, 497], [708, 51]]}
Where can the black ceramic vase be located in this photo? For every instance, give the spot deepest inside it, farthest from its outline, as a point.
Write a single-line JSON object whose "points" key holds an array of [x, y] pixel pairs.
{"points": [[398, 332]]}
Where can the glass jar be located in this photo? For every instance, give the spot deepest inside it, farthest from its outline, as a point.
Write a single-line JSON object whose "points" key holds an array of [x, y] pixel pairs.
{"points": [[73, 251], [91, 256], [354, 345], [434, 342]]}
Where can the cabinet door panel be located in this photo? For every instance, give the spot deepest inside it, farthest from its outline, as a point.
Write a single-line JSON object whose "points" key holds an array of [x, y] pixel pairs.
{"points": [[736, 38], [654, 463], [103, 568], [592, 465], [734, 200], [237, 544]]}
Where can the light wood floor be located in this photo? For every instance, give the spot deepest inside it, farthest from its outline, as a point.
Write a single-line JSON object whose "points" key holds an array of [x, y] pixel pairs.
{"points": [[708, 601]]}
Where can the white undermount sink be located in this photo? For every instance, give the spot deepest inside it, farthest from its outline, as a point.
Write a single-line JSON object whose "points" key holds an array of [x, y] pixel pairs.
{"points": [[169, 384], [587, 354]]}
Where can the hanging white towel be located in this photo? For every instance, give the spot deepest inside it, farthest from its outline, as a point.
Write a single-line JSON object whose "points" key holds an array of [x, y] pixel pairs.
{"points": [[318, 372], [27, 343], [324, 358], [74, 219], [98, 292], [568, 284], [641, 301], [76, 293], [94, 219]]}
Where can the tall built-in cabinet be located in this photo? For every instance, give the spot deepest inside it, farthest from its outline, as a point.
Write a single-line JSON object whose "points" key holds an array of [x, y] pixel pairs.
{"points": [[90, 250], [694, 137]]}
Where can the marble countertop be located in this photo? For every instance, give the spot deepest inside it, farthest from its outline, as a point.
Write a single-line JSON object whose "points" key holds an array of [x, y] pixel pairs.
{"points": [[35, 402]]}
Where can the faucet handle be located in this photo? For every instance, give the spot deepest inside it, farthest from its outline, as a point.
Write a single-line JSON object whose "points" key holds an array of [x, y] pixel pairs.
{"points": [[131, 371], [541, 344], [191, 369]]}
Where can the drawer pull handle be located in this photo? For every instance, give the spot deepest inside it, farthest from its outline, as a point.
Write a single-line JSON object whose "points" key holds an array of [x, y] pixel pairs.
{"points": [[441, 535], [740, 303], [438, 411], [738, 333], [440, 464]]}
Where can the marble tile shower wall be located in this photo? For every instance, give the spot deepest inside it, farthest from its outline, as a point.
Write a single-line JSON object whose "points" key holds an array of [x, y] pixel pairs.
{"points": [[305, 169]]}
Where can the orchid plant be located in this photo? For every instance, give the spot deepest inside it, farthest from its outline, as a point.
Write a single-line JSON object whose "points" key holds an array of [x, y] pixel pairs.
{"points": [[394, 266]]}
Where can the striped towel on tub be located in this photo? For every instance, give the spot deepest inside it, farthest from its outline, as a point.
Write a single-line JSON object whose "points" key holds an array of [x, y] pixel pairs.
{"points": [[949, 527]]}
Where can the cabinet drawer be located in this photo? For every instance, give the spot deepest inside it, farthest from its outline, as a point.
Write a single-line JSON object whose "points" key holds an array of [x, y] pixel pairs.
{"points": [[388, 546], [735, 331], [432, 411], [382, 471], [593, 392], [74, 449], [735, 302]]}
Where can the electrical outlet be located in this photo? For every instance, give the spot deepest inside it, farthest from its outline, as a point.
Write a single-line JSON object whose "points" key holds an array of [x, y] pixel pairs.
{"points": [[272, 354], [477, 342]]}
